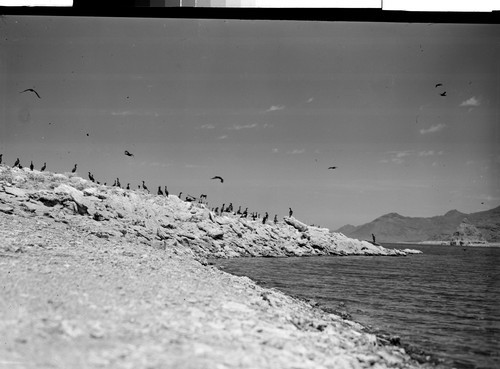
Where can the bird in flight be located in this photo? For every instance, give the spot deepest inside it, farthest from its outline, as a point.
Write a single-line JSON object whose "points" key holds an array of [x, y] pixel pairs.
{"points": [[438, 84], [128, 153], [220, 178], [332, 167], [443, 94], [31, 90]]}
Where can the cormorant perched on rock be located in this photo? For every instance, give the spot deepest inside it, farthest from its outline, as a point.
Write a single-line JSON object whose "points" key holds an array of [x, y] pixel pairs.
{"points": [[264, 220], [91, 177], [245, 213], [1, 158], [43, 168], [31, 90], [223, 207], [180, 194], [16, 163], [239, 210], [74, 169], [166, 191], [290, 212], [216, 211], [20, 166], [276, 219], [219, 178], [114, 184], [128, 186], [118, 184], [144, 186], [128, 154], [160, 192], [32, 166]]}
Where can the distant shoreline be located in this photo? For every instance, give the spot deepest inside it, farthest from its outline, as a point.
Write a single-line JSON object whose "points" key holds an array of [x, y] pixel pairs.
{"points": [[444, 243]]}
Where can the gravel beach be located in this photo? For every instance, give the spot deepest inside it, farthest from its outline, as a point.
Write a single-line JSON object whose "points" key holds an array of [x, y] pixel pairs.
{"points": [[77, 295]]}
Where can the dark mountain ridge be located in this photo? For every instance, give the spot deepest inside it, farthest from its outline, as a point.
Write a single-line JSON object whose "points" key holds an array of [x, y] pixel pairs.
{"points": [[393, 227]]}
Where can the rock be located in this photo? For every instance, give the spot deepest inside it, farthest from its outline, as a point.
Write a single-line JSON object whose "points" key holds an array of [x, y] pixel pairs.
{"points": [[84, 206], [14, 191], [7, 209], [301, 227], [467, 234]]}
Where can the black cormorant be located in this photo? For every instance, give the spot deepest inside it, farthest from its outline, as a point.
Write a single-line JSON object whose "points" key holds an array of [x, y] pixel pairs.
{"points": [[160, 192], [128, 153], [74, 169], [43, 168], [16, 163], [31, 165], [31, 90], [219, 178]]}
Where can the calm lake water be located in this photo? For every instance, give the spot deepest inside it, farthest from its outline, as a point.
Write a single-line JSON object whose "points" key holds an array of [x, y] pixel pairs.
{"points": [[445, 301]]}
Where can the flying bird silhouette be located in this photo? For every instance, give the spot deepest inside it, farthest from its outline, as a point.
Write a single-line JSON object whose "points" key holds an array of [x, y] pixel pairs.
{"points": [[332, 167], [443, 94], [219, 178], [128, 154], [31, 90], [438, 84]]}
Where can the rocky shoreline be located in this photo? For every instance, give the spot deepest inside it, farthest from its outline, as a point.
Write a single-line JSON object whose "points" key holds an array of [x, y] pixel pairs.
{"points": [[97, 276]]}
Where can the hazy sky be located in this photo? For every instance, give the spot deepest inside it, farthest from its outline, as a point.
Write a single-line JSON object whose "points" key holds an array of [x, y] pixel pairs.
{"points": [[267, 105]]}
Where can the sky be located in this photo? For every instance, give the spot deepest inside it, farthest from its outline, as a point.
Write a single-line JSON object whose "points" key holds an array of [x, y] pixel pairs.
{"points": [[267, 105]]}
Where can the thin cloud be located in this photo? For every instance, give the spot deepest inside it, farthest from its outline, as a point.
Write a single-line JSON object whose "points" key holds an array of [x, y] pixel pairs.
{"points": [[207, 126], [275, 108], [275, 150], [400, 154], [222, 137], [433, 129], [311, 99], [296, 151], [125, 113], [426, 153], [243, 126], [471, 102], [122, 113], [396, 157]]}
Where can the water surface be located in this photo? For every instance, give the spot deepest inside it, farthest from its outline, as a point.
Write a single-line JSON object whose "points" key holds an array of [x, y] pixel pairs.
{"points": [[445, 301]]}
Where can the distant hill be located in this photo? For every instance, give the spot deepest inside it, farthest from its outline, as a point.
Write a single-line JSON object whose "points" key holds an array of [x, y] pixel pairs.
{"points": [[394, 227]]}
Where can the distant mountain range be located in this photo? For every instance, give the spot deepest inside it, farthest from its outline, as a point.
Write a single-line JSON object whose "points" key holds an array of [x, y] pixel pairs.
{"points": [[393, 227]]}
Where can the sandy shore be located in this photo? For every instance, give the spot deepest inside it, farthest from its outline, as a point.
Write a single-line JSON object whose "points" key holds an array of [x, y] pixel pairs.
{"points": [[72, 298]]}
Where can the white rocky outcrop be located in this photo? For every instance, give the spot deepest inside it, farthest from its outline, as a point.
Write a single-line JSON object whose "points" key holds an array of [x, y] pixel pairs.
{"points": [[167, 222]]}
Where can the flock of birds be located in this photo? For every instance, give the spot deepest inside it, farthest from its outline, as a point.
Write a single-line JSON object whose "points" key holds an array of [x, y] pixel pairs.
{"points": [[202, 199], [164, 192]]}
